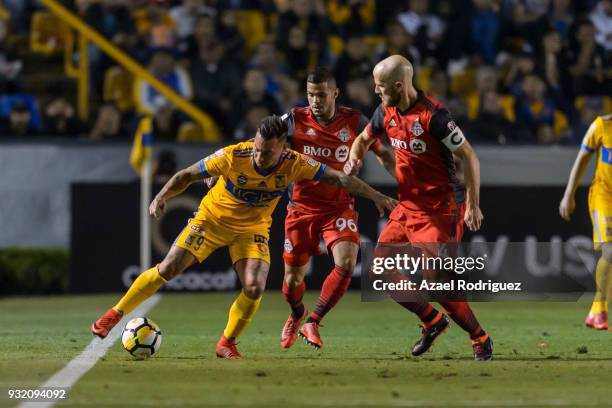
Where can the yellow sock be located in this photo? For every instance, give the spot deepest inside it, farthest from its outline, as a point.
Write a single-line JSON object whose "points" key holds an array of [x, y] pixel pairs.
{"points": [[242, 311], [607, 266], [603, 286], [143, 287], [598, 307]]}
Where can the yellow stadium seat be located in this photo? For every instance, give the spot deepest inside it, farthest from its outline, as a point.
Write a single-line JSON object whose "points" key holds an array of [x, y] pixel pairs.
{"points": [[560, 124], [463, 83], [336, 45], [118, 88], [47, 33], [252, 27], [4, 13], [192, 132], [506, 101], [423, 78], [189, 132], [374, 41], [580, 101]]}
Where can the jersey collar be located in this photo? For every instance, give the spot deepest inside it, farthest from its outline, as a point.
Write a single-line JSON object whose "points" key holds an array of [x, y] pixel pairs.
{"points": [[420, 96], [269, 170], [324, 122]]}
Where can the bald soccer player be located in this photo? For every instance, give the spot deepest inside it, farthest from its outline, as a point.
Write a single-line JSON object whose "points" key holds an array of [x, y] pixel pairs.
{"points": [[434, 204]]}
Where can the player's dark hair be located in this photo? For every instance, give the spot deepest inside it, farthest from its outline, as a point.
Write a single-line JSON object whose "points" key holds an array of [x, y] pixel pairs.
{"points": [[321, 75], [273, 127]]}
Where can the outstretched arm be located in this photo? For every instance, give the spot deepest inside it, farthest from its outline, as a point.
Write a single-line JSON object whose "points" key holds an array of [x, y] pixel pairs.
{"points": [[568, 202], [473, 216], [175, 186], [357, 187], [360, 147]]}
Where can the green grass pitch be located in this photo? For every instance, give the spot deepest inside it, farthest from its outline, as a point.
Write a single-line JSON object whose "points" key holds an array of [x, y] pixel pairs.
{"points": [[544, 356]]}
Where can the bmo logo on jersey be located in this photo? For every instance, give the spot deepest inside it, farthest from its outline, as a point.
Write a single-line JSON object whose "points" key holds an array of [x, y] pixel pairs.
{"points": [[341, 153], [400, 144], [317, 151], [417, 146]]}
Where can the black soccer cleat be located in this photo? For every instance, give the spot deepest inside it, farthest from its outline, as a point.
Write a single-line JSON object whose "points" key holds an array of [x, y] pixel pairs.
{"points": [[429, 335], [483, 350]]}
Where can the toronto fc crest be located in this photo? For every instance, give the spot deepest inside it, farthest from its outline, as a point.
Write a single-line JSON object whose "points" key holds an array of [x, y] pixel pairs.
{"points": [[344, 135], [417, 129]]}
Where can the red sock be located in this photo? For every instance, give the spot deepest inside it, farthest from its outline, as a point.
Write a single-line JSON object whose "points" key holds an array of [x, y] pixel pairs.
{"points": [[294, 297], [418, 305], [429, 316], [334, 287], [462, 314]]}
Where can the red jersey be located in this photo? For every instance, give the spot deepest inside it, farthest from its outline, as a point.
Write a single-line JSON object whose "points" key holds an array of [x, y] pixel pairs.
{"points": [[329, 143], [423, 139]]}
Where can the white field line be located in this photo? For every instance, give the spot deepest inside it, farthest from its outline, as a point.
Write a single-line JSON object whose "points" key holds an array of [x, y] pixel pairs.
{"points": [[81, 364]]}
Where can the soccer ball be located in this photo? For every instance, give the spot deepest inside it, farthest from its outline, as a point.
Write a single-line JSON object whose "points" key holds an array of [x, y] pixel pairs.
{"points": [[141, 338]]}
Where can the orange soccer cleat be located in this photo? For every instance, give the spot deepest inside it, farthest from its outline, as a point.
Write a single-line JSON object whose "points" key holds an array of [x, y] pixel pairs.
{"points": [[227, 349], [597, 321], [104, 324], [310, 333], [483, 348], [290, 330]]}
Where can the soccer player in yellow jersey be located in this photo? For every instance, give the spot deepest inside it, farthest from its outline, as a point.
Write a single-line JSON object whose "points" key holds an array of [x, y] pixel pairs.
{"points": [[598, 139], [236, 213]]}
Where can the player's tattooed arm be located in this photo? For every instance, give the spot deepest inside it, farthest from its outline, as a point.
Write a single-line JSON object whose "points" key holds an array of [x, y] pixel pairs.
{"points": [[357, 187], [473, 215], [360, 147], [175, 186]]}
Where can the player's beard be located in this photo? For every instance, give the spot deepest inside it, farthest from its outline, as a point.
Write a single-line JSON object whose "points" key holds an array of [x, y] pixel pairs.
{"points": [[392, 100]]}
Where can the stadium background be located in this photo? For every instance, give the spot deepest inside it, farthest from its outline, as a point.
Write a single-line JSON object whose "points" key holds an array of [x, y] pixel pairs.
{"points": [[524, 78]]}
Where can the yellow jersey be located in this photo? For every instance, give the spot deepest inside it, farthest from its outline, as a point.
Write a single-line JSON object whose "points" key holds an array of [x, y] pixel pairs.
{"points": [[245, 196], [599, 139]]}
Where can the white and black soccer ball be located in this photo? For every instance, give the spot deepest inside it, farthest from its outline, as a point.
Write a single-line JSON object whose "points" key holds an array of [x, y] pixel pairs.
{"points": [[141, 338]]}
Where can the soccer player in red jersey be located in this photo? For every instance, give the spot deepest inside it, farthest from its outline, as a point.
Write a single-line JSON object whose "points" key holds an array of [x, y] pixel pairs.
{"points": [[325, 132], [433, 203]]}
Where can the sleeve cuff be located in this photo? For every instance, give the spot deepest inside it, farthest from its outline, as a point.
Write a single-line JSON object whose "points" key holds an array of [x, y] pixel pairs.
{"points": [[587, 148], [319, 172], [371, 132], [376, 144], [203, 168]]}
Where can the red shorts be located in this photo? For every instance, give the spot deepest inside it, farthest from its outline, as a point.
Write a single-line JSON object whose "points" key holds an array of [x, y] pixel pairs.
{"points": [[304, 231], [419, 228]]}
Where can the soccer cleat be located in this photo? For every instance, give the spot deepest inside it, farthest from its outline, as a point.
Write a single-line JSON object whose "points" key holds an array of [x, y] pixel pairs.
{"points": [[227, 349], [597, 321], [310, 333], [104, 324], [483, 348], [429, 335], [290, 330]]}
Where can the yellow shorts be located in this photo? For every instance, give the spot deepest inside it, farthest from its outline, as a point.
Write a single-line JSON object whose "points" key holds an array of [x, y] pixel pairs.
{"points": [[601, 217], [203, 235]]}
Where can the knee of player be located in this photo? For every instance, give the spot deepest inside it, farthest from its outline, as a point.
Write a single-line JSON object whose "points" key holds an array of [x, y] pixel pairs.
{"points": [[347, 263], [293, 278], [169, 270], [253, 291]]}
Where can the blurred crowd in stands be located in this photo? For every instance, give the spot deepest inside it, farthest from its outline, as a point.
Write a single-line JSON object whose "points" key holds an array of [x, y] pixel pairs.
{"points": [[510, 71]]}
